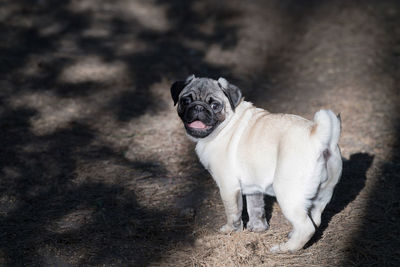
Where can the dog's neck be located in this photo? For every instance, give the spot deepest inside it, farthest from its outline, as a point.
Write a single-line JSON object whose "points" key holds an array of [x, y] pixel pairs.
{"points": [[223, 128]]}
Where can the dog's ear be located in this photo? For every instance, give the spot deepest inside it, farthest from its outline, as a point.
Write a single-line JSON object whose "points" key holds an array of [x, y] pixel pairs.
{"points": [[178, 86], [231, 91]]}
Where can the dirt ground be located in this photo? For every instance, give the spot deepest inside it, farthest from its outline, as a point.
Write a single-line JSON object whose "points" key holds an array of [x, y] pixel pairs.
{"points": [[96, 169]]}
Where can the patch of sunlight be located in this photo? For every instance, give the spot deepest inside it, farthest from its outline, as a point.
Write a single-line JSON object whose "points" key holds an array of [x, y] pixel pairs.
{"points": [[150, 15], [52, 29], [50, 117], [241, 58], [72, 221], [93, 69], [97, 32]]}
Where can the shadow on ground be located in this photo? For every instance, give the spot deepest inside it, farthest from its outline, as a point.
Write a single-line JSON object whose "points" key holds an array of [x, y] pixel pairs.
{"points": [[53, 212], [44, 207], [376, 242], [351, 183]]}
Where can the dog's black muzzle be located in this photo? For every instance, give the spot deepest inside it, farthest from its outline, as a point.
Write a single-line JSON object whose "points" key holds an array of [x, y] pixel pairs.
{"points": [[198, 111]]}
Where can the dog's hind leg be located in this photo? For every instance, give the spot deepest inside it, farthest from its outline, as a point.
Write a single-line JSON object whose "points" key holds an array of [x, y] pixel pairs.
{"points": [[327, 133], [303, 227], [324, 195]]}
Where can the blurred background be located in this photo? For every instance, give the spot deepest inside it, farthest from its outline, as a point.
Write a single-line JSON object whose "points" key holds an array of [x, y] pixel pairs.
{"points": [[96, 169]]}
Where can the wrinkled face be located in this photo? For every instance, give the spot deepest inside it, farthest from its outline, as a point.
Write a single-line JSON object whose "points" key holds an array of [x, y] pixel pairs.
{"points": [[203, 103], [202, 107]]}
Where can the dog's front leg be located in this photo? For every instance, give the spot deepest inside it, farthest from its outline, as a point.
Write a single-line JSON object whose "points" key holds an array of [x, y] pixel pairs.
{"points": [[233, 204]]}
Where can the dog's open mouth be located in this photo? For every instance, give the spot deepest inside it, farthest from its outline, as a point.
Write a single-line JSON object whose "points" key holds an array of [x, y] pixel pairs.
{"points": [[198, 125]]}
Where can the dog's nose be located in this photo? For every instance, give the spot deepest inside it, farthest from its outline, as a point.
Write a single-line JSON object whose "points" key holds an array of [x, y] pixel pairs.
{"points": [[199, 108]]}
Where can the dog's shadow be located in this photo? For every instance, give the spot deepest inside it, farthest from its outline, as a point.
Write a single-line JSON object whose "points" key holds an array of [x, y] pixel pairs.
{"points": [[349, 186], [353, 180]]}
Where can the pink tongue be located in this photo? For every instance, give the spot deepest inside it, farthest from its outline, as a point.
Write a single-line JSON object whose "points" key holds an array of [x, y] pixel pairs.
{"points": [[197, 125]]}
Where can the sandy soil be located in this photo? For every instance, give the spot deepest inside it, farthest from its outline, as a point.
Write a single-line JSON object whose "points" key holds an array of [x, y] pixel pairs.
{"points": [[96, 169]]}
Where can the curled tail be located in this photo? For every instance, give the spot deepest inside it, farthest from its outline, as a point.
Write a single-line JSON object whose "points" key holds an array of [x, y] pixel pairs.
{"points": [[327, 128]]}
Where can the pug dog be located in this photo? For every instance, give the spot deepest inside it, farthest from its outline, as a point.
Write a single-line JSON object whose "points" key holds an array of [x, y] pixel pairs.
{"points": [[250, 151]]}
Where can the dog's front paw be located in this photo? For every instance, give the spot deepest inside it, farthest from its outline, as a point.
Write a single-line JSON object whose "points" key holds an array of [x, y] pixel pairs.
{"points": [[228, 228], [257, 225]]}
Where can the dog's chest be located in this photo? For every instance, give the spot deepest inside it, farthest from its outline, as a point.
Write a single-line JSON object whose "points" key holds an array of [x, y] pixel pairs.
{"points": [[208, 155], [254, 175]]}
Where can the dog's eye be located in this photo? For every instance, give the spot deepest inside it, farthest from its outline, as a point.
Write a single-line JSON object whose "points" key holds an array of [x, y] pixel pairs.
{"points": [[186, 101], [215, 105]]}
